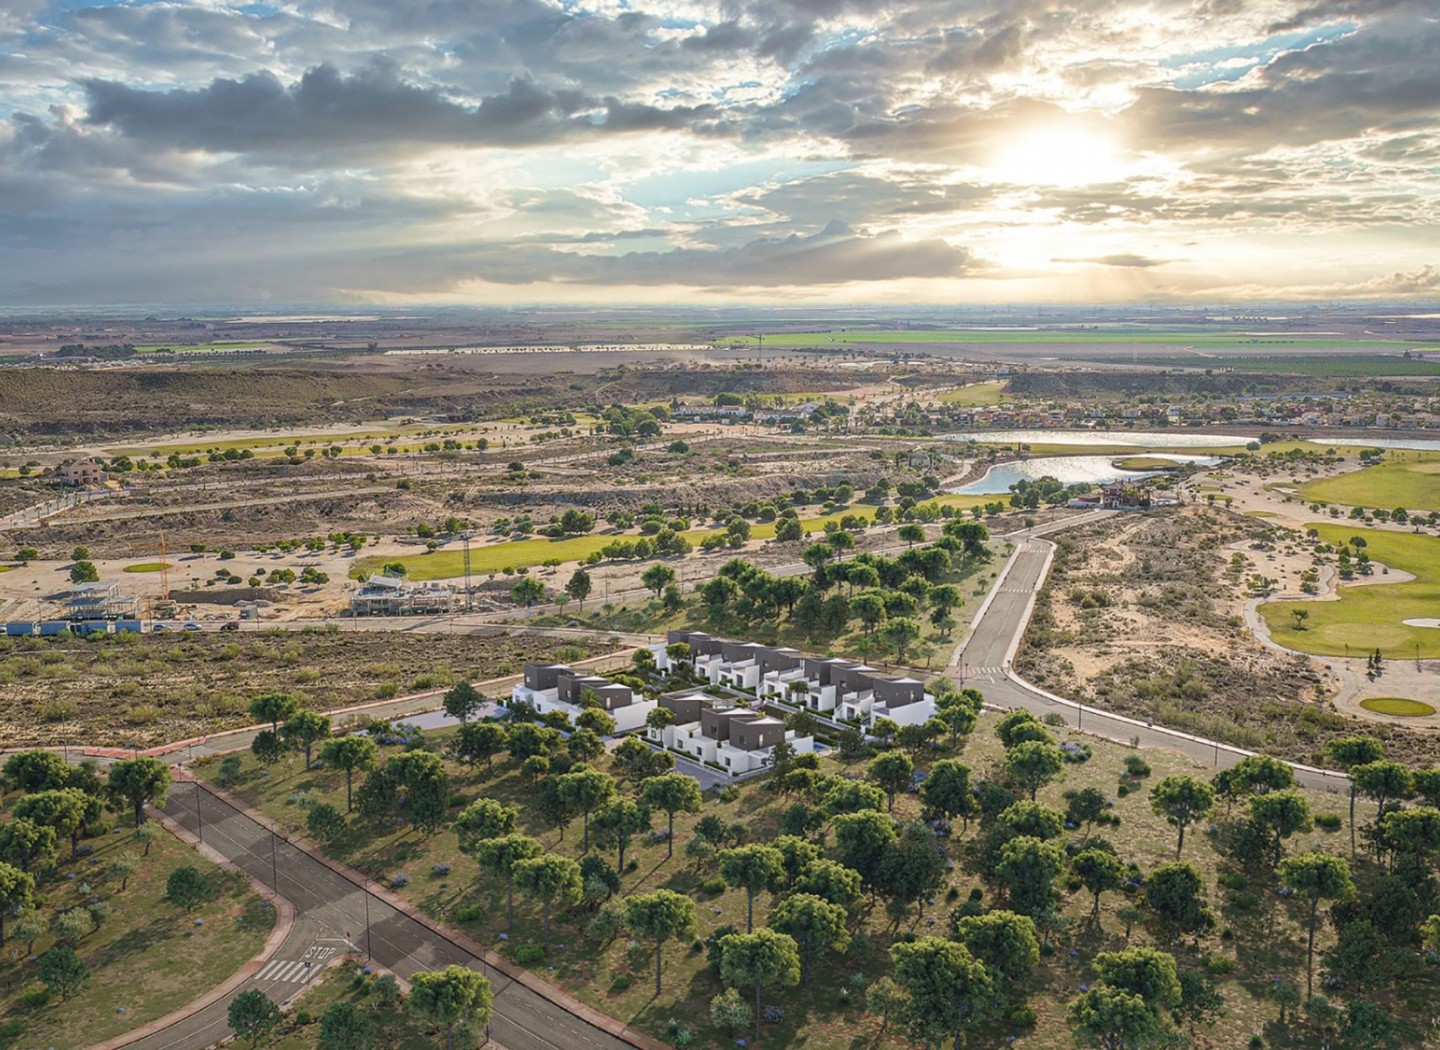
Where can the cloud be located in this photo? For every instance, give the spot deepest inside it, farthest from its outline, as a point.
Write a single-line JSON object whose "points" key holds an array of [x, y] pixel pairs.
{"points": [[372, 109], [1424, 280], [1122, 260]]}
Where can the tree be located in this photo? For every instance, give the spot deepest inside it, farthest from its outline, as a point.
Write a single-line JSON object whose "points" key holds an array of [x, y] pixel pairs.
{"points": [[1098, 870], [949, 989], [528, 740], [1315, 877], [1020, 726], [346, 1027], [1280, 814], [597, 720], [304, 728], [1027, 869], [462, 701], [499, 856], [1181, 800], [123, 867], [958, 712], [947, 791], [1003, 941], [660, 717], [912, 869], [863, 839], [267, 747], [728, 1010], [352, 754], [815, 924], [1367, 1024], [187, 887], [84, 572], [1145, 972], [1381, 780], [584, 790], [551, 880], [138, 781], [900, 632], [575, 521], [1033, 764], [891, 770], [673, 793], [760, 959], [273, 708], [886, 998], [62, 971], [911, 534], [16, 888], [1086, 807], [1174, 894], [659, 917], [66, 810], [527, 592], [578, 586], [449, 997], [870, 608], [657, 577], [485, 818], [325, 823], [752, 868], [1113, 1019], [1349, 752], [34, 771], [831, 881], [618, 821]]}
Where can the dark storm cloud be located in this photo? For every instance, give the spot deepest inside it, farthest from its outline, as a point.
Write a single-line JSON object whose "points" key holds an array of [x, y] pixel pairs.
{"points": [[374, 108]]}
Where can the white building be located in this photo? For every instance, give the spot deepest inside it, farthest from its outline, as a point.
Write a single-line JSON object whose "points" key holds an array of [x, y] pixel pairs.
{"points": [[555, 687], [723, 735]]}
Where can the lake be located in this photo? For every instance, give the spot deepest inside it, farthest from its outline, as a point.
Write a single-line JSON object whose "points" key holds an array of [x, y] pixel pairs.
{"points": [[1068, 470]]}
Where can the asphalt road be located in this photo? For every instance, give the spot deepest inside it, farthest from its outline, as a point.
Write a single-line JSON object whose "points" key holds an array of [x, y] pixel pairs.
{"points": [[330, 918]]}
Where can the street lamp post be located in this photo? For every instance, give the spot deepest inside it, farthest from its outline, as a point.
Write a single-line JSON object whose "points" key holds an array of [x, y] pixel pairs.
{"points": [[366, 890], [199, 820], [274, 869]]}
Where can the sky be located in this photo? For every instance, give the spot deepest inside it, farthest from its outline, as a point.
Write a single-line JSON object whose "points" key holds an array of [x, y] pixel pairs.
{"points": [[718, 152]]}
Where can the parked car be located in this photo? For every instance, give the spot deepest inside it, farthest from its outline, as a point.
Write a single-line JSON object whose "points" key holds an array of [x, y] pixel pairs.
{"points": [[155, 628], [193, 626], [230, 625]]}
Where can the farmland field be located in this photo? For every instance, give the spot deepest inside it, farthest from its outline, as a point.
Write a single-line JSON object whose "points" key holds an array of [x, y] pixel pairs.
{"points": [[1118, 338]]}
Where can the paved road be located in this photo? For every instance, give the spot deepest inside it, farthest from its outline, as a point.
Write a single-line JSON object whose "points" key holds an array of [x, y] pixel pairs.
{"points": [[330, 918], [985, 661]]}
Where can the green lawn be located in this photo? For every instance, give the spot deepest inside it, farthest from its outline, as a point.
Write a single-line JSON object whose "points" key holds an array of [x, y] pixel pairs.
{"points": [[1397, 705], [1405, 479], [1265, 936], [1370, 616], [976, 394], [148, 958], [148, 566]]}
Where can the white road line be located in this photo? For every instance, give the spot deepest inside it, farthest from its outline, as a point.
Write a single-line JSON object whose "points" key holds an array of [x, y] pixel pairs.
{"points": [[271, 966]]}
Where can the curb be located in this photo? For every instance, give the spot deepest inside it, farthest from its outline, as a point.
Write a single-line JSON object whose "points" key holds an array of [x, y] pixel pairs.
{"points": [[284, 923], [502, 966]]}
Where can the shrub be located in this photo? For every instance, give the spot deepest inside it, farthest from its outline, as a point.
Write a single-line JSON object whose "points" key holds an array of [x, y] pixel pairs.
{"points": [[1329, 821], [621, 982], [469, 912], [713, 885], [1135, 766], [1219, 965], [1245, 899], [34, 997], [527, 954], [1054, 718], [773, 1014], [441, 869], [1021, 1016], [399, 881]]}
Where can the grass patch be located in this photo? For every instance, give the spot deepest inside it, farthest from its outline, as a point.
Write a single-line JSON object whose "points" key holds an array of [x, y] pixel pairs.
{"points": [[1259, 513], [148, 957], [148, 566], [1400, 706], [1404, 480], [975, 394], [1143, 463], [1369, 617]]}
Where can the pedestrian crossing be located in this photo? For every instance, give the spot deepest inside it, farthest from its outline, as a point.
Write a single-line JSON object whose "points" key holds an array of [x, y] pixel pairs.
{"points": [[290, 971]]}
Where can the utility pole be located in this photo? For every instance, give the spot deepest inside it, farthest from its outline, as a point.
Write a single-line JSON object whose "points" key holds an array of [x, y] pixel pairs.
{"points": [[199, 820], [466, 536]]}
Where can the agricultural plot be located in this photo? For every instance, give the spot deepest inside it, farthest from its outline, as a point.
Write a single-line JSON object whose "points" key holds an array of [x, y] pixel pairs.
{"points": [[1370, 616]]}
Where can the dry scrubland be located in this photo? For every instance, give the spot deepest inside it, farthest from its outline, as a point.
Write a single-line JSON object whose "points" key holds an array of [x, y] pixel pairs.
{"points": [[1258, 935], [143, 690], [1140, 615]]}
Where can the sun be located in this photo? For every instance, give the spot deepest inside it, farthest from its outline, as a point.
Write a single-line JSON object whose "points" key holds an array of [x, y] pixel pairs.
{"points": [[1057, 155]]}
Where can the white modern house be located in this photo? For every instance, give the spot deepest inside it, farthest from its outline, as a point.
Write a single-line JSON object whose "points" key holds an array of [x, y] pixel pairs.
{"points": [[556, 687], [723, 735], [831, 686]]}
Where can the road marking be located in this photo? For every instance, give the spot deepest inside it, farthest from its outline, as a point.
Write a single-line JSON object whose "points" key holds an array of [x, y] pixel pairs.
{"points": [[293, 971]]}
